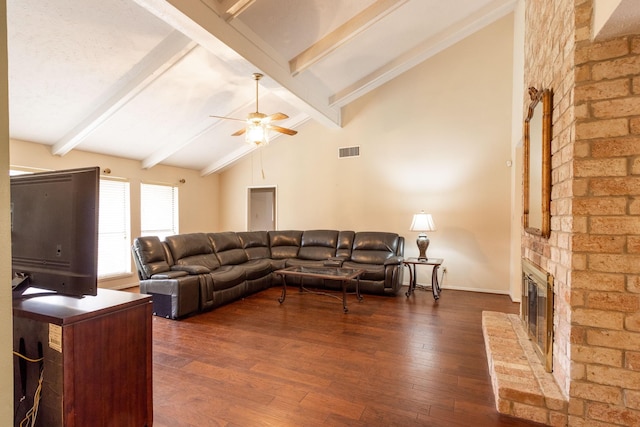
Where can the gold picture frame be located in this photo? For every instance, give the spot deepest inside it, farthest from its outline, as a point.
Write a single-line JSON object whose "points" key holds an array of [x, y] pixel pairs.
{"points": [[537, 163]]}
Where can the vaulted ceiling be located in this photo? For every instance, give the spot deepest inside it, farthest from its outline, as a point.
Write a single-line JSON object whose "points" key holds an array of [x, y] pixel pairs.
{"points": [[140, 79]]}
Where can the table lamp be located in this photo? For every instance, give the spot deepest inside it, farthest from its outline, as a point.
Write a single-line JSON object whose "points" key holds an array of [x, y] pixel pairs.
{"points": [[422, 222]]}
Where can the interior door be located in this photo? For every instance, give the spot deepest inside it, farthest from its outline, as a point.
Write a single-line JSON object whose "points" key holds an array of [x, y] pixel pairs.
{"points": [[261, 212]]}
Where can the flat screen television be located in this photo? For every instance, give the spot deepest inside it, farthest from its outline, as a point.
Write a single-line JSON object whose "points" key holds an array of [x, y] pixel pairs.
{"points": [[54, 231]]}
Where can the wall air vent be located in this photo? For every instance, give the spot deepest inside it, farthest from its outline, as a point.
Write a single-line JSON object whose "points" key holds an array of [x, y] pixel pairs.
{"points": [[349, 152]]}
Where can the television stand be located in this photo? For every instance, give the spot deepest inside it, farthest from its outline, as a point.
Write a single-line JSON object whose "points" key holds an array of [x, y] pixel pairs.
{"points": [[97, 367]]}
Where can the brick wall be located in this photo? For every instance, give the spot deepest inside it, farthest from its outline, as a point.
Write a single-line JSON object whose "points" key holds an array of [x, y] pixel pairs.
{"points": [[605, 296], [594, 249], [549, 64]]}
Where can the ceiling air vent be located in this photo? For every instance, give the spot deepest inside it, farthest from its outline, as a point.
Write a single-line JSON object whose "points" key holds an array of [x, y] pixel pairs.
{"points": [[349, 152]]}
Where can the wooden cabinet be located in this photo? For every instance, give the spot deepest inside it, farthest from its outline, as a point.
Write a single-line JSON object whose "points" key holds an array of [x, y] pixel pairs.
{"points": [[97, 365]]}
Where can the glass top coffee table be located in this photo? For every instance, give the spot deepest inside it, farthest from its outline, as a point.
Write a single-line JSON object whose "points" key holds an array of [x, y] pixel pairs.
{"points": [[343, 275]]}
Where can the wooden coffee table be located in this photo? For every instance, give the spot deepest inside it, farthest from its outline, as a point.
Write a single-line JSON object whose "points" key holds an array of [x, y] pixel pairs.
{"points": [[343, 275]]}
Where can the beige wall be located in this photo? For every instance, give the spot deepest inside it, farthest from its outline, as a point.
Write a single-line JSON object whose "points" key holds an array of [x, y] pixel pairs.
{"points": [[436, 138], [6, 324], [517, 151], [197, 196]]}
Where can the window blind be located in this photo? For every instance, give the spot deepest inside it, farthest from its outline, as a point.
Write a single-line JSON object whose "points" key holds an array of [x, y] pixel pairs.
{"points": [[114, 253], [158, 210]]}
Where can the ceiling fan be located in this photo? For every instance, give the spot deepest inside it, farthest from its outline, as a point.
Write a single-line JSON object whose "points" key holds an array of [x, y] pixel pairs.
{"points": [[258, 124]]}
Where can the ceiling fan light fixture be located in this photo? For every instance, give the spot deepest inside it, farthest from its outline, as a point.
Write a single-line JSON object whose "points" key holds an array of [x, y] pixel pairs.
{"points": [[257, 133]]}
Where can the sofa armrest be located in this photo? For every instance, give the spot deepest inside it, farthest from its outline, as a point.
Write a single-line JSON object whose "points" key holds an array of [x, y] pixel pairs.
{"points": [[169, 275], [191, 269], [394, 260], [334, 261], [173, 298]]}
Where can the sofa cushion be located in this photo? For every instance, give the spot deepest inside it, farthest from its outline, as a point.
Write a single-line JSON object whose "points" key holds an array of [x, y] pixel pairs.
{"points": [[149, 256], [255, 244], [227, 277], [184, 245], [345, 243], [228, 248], [318, 244], [169, 275], [374, 247], [190, 269], [371, 271], [284, 244], [192, 249], [209, 261], [256, 268]]}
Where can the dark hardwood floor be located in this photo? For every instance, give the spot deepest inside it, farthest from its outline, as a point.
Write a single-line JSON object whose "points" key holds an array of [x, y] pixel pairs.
{"points": [[391, 361]]}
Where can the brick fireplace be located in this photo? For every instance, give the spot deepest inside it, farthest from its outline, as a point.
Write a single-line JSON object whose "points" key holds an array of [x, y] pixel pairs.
{"points": [[520, 353], [593, 252], [537, 310]]}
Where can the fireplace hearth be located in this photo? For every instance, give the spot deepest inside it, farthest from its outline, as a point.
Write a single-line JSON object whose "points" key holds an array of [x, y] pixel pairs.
{"points": [[537, 310]]}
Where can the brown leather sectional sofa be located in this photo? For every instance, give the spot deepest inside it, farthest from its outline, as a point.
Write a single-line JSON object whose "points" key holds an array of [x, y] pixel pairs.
{"points": [[190, 273]]}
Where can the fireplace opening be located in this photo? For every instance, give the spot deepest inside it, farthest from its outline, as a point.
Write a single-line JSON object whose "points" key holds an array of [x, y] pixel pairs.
{"points": [[537, 310]]}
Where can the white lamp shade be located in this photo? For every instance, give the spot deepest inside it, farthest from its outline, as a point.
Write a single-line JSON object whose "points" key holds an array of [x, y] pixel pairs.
{"points": [[257, 133], [422, 222]]}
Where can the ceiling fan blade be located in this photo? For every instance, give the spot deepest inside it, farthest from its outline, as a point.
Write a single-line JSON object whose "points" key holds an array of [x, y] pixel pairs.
{"points": [[283, 130], [277, 116], [228, 118], [240, 132]]}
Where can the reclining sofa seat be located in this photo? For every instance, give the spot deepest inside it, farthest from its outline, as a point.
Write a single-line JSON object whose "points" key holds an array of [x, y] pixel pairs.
{"points": [[316, 249], [284, 245], [255, 244], [316, 246], [211, 269], [219, 284], [380, 255], [231, 253], [175, 293]]}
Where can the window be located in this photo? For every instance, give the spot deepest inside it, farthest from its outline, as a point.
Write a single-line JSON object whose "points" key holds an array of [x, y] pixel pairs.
{"points": [[158, 210], [114, 252]]}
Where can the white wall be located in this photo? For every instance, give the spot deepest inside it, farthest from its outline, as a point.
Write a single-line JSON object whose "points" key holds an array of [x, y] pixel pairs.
{"points": [[436, 138], [197, 196]]}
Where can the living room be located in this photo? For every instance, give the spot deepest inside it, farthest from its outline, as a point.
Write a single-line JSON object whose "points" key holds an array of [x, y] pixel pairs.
{"points": [[441, 161], [440, 137], [433, 139]]}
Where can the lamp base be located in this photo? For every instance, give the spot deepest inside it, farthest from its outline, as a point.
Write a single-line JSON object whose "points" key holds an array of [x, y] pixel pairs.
{"points": [[423, 244]]}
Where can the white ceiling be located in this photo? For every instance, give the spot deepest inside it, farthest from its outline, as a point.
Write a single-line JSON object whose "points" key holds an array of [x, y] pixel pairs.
{"points": [[139, 78]]}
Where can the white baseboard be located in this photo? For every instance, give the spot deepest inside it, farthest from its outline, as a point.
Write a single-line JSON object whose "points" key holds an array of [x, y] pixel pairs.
{"points": [[468, 289]]}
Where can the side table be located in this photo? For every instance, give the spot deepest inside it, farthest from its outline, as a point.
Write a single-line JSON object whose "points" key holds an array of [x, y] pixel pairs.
{"points": [[435, 263]]}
